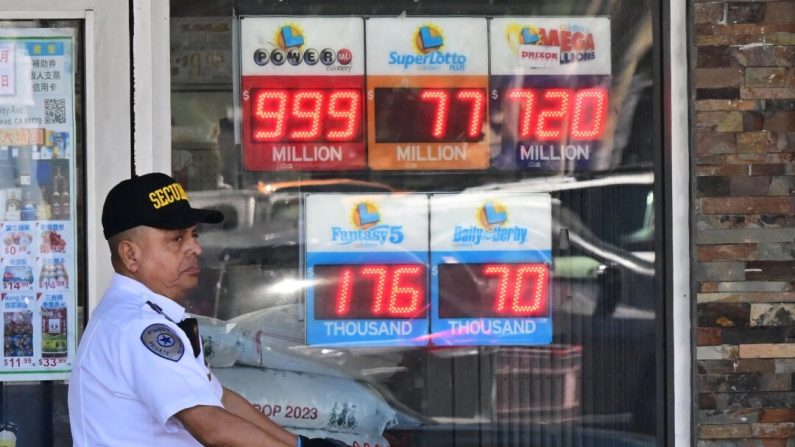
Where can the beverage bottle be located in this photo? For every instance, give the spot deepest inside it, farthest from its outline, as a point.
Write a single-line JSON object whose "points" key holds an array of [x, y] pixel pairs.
{"points": [[59, 189], [55, 203], [62, 279], [65, 205], [28, 205], [24, 165], [44, 211], [51, 275], [13, 205]]}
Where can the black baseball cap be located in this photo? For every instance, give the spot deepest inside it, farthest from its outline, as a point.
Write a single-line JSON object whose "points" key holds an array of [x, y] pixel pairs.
{"points": [[155, 200]]}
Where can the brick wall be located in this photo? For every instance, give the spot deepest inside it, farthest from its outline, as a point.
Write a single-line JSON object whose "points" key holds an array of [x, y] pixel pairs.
{"points": [[743, 67]]}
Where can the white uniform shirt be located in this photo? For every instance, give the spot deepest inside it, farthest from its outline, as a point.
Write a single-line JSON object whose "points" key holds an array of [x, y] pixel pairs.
{"points": [[129, 378]]}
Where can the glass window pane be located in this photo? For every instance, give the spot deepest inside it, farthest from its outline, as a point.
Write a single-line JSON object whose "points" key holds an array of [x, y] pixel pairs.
{"points": [[590, 143]]}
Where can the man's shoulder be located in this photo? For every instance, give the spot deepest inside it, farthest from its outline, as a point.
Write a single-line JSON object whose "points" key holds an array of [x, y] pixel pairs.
{"points": [[123, 311]]}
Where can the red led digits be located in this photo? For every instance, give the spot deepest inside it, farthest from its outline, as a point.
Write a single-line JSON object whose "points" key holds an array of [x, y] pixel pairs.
{"points": [[442, 100], [269, 110], [504, 273], [307, 106], [552, 114], [537, 297], [477, 98], [590, 110], [378, 273], [306, 115], [552, 121], [398, 289], [370, 291], [519, 281], [526, 98], [343, 107], [344, 293], [416, 115]]}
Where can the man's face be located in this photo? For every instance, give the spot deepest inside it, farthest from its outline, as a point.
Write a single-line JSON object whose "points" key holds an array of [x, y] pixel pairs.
{"points": [[169, 264]]}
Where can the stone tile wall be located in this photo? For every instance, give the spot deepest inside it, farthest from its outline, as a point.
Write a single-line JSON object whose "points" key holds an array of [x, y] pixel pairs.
{"points": [[743, 92]]}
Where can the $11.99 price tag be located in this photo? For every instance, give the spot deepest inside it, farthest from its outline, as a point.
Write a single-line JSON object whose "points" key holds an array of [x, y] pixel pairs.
{"points": [[17, 362]]}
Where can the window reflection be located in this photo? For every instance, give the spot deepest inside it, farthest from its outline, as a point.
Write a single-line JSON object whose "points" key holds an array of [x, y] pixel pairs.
{"points": [[595, 385]]}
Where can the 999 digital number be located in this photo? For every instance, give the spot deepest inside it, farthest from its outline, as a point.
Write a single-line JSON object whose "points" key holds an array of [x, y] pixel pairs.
{"points": [[304, 115]]}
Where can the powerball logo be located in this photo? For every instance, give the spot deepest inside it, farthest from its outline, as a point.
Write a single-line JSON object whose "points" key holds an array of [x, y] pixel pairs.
{"points": [[289, 42], [549, 47], [428, 42], [492, 219], [367, 228]]}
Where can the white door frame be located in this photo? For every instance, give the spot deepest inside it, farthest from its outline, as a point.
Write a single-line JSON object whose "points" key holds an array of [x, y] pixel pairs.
{"points": [[682, 380]]}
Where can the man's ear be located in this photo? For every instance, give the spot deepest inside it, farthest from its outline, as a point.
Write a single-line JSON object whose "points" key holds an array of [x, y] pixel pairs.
{"points": [[130, 255]]}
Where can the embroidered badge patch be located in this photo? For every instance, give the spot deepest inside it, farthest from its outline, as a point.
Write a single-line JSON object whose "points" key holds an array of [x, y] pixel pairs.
{"points": [[163, 341]]}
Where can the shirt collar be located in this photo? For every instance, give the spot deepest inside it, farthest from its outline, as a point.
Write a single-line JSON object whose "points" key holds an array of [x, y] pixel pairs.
{"points": [[169, 307]]}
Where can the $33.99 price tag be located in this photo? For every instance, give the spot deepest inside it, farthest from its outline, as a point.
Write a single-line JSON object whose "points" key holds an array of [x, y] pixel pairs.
{"points": [[51, 361]]}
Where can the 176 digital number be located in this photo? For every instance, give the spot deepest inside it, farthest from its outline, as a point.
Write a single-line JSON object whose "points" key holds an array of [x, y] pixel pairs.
{"points": [[17, 362]]}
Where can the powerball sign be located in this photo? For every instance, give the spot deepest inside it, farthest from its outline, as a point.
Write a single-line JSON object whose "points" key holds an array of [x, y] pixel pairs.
{"points": [[491, 258], [366, 266], [302, 93]]}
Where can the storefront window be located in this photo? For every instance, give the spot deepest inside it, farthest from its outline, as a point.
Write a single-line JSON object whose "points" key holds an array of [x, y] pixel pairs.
{"points": [[509, 152], [41, 224]]}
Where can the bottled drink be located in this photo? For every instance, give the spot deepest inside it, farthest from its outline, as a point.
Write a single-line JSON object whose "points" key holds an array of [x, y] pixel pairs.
{"points": [[55, 203], [65, 205], [13, 205], [28, 205], [44, 211], [60, 189], [61, 278]]}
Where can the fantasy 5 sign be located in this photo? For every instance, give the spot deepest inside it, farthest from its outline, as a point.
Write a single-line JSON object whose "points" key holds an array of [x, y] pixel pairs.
{"points": [[366, 258], [440, 93], [371, 265]]}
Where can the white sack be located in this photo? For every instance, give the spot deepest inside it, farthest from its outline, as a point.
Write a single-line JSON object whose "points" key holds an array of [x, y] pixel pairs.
{"points": [[303, 400], [274, 338], [352, 439], [221, 341]]}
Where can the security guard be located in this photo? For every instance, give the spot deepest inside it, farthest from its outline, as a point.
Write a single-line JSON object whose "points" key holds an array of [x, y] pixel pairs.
{"points": [[140, 378]]}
